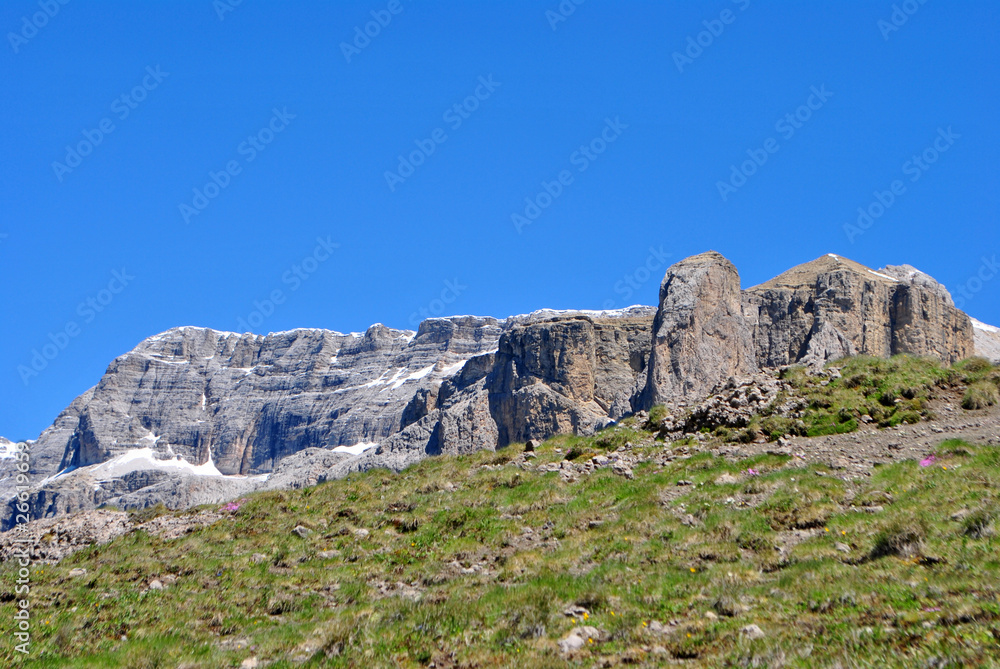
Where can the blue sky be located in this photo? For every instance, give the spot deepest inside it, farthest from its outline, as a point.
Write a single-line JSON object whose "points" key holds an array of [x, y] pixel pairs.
{"points": [[288, 135]]}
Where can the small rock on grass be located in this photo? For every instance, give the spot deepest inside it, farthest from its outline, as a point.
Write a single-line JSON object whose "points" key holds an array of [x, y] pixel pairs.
{"points": [[301, 531], [580, 637], [76, 573], [753, 632]]}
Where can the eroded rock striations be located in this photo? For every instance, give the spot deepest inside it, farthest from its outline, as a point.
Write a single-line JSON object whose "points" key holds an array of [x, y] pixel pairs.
{"points": [[833, 307], [195, 416], [700, 335]]}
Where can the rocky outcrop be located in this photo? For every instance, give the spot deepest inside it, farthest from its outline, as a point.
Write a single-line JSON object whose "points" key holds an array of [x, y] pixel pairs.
{"points": [[833, 307], [925, 320], [700, 337], [553, 372], [572, 373]]}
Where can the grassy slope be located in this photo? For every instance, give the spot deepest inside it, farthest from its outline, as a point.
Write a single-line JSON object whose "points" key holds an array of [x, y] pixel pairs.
{"points": [[885, 392], [915, 586]]}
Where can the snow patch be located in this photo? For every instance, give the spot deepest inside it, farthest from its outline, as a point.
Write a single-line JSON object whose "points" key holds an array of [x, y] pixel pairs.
{"points": [[608, 313], [137, 459], [151, 438], [979, 325], [451, 370], [8, 449], [415, 376], [884, 276], [356, 449]]}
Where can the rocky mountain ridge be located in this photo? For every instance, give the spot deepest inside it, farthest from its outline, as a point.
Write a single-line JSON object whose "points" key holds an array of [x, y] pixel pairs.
{"points": [[196, 416]]}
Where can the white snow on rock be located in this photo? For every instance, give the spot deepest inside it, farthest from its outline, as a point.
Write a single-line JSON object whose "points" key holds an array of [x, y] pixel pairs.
{"points": [[140, 459], [8, 448], [415, 376], [884, 276], [979, 325], [608, 313], [356, 449], [137, 459]]}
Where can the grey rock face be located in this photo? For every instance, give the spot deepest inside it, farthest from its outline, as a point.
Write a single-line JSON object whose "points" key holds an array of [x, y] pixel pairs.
{"points": [[553, 372], [245, 401], [832, 307], [567, 374], [239, 407], [700, 335], [924, 318], [241, 404], [844, 304]]}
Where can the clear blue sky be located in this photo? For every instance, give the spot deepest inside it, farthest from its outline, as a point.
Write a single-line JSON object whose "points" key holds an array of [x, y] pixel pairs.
{"points": [[678, 126]]}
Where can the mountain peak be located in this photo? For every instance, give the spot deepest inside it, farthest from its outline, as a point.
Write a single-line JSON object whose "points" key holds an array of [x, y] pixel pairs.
{"points": [[806, 274]]}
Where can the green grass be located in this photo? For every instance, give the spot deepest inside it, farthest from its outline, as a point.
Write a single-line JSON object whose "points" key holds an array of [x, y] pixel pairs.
{"points": [[920, 581], [886, 392]]}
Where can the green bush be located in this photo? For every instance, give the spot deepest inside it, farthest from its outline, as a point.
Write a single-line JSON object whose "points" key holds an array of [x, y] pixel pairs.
{"points": [[979, 524], [980, 395], [657, 415], [902, 537], [974, 369]]}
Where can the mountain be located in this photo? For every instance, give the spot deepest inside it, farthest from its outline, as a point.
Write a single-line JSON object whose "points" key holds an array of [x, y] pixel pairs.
{"points": [[196, 416]]}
